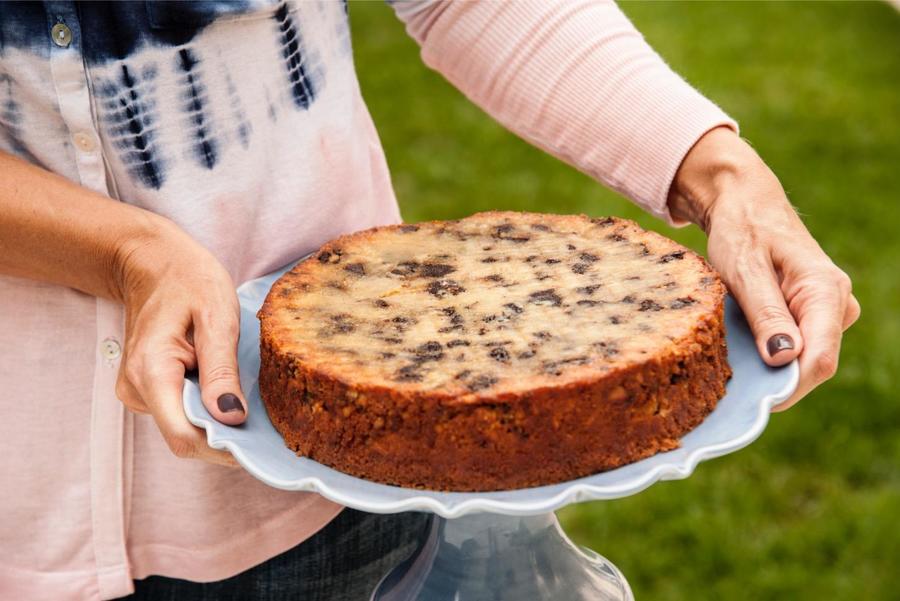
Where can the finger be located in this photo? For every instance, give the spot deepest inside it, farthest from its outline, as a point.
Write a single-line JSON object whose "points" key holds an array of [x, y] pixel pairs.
{"points": [[126, 391], [821, 316], [755, 286], [162, 385], [215, 342], [128, 394], [852, 313], [186, 441]]}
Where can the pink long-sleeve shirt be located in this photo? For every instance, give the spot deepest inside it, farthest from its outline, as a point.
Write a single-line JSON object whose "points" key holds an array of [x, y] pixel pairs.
{"points": [[248, 129]]}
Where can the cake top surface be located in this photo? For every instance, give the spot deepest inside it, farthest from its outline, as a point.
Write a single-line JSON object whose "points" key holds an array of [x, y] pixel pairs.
{"points": [[495, 303]]}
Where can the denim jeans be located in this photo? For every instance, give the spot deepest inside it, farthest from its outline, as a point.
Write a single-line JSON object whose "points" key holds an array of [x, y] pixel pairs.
{"points": [[342, 562]]}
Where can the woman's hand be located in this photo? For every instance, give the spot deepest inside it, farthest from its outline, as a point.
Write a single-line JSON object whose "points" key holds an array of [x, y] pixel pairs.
{"points": [[797, 302], [181, 310], [181, 313]]}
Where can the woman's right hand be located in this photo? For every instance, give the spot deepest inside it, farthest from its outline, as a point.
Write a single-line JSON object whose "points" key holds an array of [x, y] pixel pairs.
{"points": [[181, 309], [181, 313]]}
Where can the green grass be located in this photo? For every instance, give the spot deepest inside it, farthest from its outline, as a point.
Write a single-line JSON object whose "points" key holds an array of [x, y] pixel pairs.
{"points": [[811, 510]]}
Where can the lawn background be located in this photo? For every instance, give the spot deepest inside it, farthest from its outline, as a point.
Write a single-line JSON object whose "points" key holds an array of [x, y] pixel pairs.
{"points": [[811, 510]]}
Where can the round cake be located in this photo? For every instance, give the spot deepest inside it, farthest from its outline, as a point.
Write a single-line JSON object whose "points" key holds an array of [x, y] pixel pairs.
{"points": [[500, 351]]}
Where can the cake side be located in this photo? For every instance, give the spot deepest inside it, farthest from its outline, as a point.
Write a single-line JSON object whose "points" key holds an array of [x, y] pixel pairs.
{"points": [[548, 435]]}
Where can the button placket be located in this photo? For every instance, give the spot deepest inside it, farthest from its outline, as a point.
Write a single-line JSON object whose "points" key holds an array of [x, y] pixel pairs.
{"points": [[70, 79], [109, 457]]}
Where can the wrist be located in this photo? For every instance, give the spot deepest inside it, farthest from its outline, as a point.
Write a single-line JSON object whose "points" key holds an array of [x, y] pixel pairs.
{"points": [[141, 251], [714, 168]]}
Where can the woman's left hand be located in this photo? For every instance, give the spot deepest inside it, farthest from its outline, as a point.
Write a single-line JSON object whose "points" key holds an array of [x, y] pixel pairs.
{"points": [[797, 301]]}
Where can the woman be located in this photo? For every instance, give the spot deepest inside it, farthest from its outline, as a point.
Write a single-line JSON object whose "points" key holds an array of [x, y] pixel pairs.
{"points": [[156, 154]]}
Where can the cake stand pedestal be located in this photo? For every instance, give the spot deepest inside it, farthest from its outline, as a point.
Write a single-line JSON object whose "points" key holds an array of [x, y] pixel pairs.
{"points": [[501, 545], [491, 557]]}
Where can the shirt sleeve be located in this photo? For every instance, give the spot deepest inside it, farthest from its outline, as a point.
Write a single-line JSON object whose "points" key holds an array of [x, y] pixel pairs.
{"points": [[575, 78]]}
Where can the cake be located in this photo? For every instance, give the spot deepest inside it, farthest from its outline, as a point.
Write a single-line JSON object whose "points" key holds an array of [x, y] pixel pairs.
{"points": [[500, 351]]}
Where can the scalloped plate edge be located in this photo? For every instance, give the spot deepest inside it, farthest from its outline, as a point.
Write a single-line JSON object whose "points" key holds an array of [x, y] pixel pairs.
{"points": [[577, 492]]}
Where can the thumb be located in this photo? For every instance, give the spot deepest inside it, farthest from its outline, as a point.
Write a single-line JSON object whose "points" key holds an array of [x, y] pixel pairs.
{"points": [[215, 343], [757, 291]]}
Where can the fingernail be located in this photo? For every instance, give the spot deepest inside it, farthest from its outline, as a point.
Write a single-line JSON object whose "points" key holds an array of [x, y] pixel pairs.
{"points": [[229, 402], [778, 343]]}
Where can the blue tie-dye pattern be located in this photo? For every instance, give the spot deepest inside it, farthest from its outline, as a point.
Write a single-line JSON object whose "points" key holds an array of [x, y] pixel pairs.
{"points": [[205, 146], [127, 103], [9, 112], [24, 25], [11, 116], [242, 125], [197, 13], [303, 89], [272, 109], [120, 29], [129, 110]]}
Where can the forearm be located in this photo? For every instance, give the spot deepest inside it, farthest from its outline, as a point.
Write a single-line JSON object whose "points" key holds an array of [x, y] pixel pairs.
{"points": [[573, 77], [56, 231]]}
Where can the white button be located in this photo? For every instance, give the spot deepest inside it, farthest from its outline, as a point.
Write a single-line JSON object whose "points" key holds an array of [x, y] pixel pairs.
{"points": [[61, 35], [84, 141], [110, 349]]}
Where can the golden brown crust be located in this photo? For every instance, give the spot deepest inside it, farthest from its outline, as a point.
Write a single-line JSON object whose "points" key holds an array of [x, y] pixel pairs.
{"points": [[586, 417]]}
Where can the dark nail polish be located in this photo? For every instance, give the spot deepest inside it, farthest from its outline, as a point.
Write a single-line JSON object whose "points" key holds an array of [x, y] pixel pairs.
{"points": [[778, 343], [229, 402]]}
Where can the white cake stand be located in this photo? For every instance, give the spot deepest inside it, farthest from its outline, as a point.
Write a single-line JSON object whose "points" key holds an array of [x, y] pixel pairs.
{"points": [[505, 545]]}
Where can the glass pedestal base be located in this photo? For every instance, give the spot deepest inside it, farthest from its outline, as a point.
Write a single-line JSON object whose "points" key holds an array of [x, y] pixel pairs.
{"points": [[492, 557]]}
